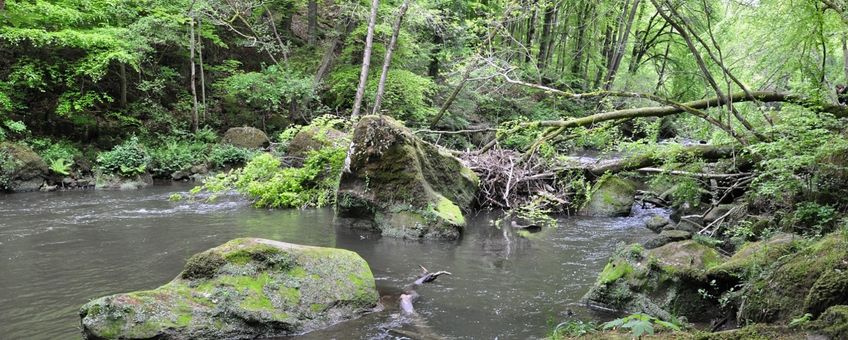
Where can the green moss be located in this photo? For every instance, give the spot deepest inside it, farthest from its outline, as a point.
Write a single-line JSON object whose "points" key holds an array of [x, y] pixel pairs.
{"points": [[290, 295], [614, 270], [447, 210], [202, 266]]}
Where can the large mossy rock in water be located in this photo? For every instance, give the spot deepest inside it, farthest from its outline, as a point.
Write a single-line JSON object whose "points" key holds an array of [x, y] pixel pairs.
{"points": [[246, 137], [808, 281], [21, 169], [244, 289], [312, 138], [661, 282], [402, 185], [611, 197]]}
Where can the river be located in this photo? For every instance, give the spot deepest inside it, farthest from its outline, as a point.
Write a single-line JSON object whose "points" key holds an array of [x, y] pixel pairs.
{"points": [[58, 250]]}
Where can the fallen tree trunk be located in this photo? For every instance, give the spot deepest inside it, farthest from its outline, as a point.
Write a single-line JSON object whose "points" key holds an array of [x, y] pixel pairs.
{"points": [[661, 111], [647, 160]]}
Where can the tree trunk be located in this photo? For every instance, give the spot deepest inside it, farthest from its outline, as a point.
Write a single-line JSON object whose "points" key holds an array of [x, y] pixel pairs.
{"points": [[123, 71], [366, 60], [312, 21], [845, 56], [433, 67], [618, 49], [531, 30], [453, 95], [343, 28], [545, 38], [381, 87], [194, 120], [200, 59]]}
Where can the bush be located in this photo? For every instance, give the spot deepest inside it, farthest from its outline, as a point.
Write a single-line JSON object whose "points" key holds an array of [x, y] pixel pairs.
{"points": [[223, 155], [128, 159], [264, 180], [177, 155], [406, 96]]}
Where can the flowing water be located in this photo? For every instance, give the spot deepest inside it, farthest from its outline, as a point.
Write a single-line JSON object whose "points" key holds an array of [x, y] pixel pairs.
{"points": [[58, 250]]}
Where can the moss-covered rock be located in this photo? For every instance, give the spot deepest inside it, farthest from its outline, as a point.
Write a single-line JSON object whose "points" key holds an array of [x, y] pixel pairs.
{"points": [[243, 289], [666, 237], [402, 185], [833, 322], [21, 169], [661, 282], [246, 137], [311, 138], [611, 196], [808, 281], [754, 257]]}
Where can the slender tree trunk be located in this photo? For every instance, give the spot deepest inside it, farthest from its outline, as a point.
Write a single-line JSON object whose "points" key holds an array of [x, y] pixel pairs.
{"points": [[200, 59], [381, 87], [577, 61], [618, 50], [465, 75], [312, 21], [343, 29], [433, 67], [123, 71], [531, 30], [193, 76], [366, 60], [845, 55], [544, 39]]}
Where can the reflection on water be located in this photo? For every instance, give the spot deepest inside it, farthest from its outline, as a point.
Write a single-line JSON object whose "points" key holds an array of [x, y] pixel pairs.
{"points": [[58, 250]]}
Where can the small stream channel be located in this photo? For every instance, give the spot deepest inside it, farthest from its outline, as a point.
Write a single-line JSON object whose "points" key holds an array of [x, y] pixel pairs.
{"points": [[58, 250]]}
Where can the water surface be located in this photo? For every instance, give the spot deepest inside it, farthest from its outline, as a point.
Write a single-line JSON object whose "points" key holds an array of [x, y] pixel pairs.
{"points": [[59, 250]]}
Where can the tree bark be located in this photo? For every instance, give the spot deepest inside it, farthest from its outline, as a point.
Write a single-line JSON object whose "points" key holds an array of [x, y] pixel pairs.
{"points": [[194, 120], [381, 87], [123, 74], [343, 28], [618, 49], [200, 59], [465, 75], [312, 21], [545, 38], [366, 60]]}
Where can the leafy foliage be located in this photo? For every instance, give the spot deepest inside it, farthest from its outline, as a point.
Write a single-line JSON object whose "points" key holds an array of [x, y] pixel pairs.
{"points": [[639, 324], [128, 159]]}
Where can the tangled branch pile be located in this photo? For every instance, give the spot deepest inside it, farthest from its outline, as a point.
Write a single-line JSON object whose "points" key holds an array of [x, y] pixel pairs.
{"points": [[506, 182]]}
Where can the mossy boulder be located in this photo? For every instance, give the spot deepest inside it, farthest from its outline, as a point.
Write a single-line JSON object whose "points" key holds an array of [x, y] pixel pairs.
{"points": [[611, 196], [833, 322], [754, 257], [401, 185], [311, 138], [244, 289], [246, 137], [662, 282], [666, 237], [21, 169], [808, 281]]}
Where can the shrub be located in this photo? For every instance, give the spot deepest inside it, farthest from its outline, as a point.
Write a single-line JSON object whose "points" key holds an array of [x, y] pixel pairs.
{"points": [[129, 158], [177, 155], [269, 185], [223, 155]]}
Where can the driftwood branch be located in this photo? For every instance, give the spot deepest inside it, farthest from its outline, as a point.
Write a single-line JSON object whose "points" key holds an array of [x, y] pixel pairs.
{"points": [[410, 295], [693, 174]]}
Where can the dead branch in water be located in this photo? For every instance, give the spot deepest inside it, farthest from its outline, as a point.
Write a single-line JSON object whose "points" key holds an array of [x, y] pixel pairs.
{"points": [[410, 295]]}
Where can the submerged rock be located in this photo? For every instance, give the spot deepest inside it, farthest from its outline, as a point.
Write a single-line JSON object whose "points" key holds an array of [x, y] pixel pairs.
{"points": [[21, 169], [611, 197], [808, 281], [402, 185], [118, 182], [244, 289], [246, 137], [662, 282]]}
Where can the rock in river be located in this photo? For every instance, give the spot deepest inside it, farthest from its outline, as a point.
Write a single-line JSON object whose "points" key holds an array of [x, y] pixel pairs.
{"points": [[611, 197], [402, 185], [21, 169], [244, 289]]}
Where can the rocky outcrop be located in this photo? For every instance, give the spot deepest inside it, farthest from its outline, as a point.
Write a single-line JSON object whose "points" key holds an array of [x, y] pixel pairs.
{"points": [[245, 289], [666, 237], [401, 185], [808, 281], [246, 137], [662, 282], [21, 169], [754, 256], [611, 196]]}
